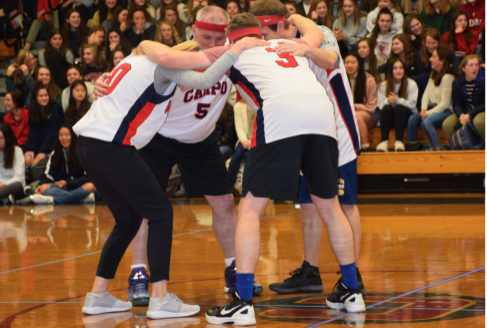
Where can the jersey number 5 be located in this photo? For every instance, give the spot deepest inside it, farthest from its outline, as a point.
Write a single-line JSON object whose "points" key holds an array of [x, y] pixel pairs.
{"points": [[124, 68], [201, 110], [291, 62]]}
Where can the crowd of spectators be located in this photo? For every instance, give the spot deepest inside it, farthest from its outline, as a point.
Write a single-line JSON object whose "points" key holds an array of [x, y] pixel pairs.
{"points": [[410, 63]]}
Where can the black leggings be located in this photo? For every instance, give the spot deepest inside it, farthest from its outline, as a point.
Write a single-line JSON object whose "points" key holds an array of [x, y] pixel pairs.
{"points": [[14, 189], [394, 117], [131, 192]]}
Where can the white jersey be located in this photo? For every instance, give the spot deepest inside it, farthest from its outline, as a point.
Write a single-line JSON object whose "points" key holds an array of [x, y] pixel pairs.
{"points": [[132, 111], [284, 93], [338, 88], [195, 112]]}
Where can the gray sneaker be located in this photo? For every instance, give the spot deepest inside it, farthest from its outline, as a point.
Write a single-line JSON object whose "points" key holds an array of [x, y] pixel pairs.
{"points": [[95, 304], [170, 307]]}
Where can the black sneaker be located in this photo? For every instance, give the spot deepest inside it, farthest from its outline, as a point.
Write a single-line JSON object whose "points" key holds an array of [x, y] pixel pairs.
{"points": [[231, 281], [344, 298], [303, 280], [239, 313], [413, 146], [361, 286]]}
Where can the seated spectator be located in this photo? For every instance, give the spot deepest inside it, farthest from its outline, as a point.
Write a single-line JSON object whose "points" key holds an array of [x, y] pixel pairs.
{"points": [[364, 91], [170, 14], [92, 62], [117, 41], [382, 34], [96, 36], [17, 117], [142, 4], [65, 180], [304, 7], [117, 21], [371, 62], [115, 59], [244, 126], [436, 104], [368, 5], [83, 7], [432, 41], [104, 12], [397, 17], [187, 11], [140, 29], [475, 10], [350, 27], [398, 95], [12, 168], [232, 7], [74, 73], [79, 103], [19, 74], [460, 38], [292, 7], [320, 14], [402, 49], [57, 56], [166, 33], [244, 5], [43, 75], [468, 98], [437, 14], [74, 31], [189, 28], [43, 24], [413, 28], [45, 118]]}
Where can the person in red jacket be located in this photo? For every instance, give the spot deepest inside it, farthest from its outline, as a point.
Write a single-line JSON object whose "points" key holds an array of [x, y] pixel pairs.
{"points": [[460, 38], [475, 10], [44, 23], [18, 118]]}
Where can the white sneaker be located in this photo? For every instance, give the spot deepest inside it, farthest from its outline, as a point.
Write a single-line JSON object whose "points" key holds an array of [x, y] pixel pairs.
{"points": [[41, 199], [170, 307], [90, 199], [383, 146], [364, 147], [343, 298], [96, 304], [399, 146], [237, 313]]}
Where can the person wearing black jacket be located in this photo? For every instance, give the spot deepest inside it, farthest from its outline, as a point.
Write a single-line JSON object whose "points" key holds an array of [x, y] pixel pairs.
{"points": [[64, 180], [141, 29], [468, 98]]}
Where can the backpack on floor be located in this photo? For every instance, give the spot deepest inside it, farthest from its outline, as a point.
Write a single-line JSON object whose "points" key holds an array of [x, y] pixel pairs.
{"points": [[467, 138]]}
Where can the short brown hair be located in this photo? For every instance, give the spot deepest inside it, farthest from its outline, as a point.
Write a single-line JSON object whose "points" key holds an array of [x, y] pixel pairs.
{"points": [[270, 7], [242, 21]]}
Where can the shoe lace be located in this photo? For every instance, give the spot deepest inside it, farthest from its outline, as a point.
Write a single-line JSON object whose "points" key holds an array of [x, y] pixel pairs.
{"points": [[294, 274], [174, 297]]}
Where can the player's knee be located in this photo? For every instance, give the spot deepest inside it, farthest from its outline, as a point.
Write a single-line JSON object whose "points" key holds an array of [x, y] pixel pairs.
{"points": [[89, 187]]}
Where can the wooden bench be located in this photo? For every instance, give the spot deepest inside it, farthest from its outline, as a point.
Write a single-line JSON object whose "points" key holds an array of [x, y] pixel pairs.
{"points": [[375, 137]]}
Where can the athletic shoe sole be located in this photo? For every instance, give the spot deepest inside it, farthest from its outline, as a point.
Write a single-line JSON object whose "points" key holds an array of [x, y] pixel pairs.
{"points": [[100, 310], [236, 321], [303, 289], [166, 314], [140, 302], [352, 308]]}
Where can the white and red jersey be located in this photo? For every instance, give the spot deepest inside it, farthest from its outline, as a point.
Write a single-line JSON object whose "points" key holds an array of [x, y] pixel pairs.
{"points": [[338, 88], [195, 112], [284, 93], [132, 111]]}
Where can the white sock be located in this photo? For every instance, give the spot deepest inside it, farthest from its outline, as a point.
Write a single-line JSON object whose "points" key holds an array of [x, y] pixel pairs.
{"points": [[229, 261], [138, 266]]}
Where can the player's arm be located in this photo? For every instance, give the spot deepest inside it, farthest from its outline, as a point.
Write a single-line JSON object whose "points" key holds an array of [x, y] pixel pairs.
{"points": [[326, 59], [310, 32]]}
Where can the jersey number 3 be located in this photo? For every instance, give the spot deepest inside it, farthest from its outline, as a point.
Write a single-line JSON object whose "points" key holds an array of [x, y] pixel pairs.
{"points": [[124, 68], [291, 62]]}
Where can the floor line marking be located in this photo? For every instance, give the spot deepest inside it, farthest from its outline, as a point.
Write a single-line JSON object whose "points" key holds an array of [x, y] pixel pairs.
{"points": [[402, 295], [93, 253]]}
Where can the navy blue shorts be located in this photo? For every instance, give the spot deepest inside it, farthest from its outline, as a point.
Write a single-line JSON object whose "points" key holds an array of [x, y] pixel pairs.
{"points": [[347, 186]]}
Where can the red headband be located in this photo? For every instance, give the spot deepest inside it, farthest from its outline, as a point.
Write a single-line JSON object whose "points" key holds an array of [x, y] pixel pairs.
{"points": [[211, 26], [270, 19], [238, 34]]}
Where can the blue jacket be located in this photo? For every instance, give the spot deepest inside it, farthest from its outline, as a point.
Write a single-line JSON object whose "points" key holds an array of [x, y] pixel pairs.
{"points": [[43, 135], [459, 96]]}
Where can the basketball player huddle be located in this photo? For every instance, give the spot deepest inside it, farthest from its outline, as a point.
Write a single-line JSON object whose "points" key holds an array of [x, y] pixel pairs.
{"points": [[304, 142]]}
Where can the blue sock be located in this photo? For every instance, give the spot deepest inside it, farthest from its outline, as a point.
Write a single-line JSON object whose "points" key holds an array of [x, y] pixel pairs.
{"points": [[245, 285], [349, 275]]}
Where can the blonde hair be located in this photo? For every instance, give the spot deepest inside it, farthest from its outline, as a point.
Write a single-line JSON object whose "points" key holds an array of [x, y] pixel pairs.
{"points": [[465, 61]]}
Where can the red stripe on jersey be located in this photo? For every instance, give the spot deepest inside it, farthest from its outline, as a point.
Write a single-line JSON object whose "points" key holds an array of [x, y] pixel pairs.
{"points": [[143, 114], [253, 140], [249, 93]]}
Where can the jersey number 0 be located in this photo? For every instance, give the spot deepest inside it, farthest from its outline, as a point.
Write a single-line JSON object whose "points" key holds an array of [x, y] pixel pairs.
{"points": [[291, 62], [125, 68]]}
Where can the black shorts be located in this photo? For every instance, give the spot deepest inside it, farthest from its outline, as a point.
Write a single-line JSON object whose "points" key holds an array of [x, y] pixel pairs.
{"points": [[202, 166], [272, 170]]}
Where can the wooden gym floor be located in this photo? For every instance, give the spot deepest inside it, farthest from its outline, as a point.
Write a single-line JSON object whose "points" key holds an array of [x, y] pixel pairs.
{"points": [[422, 265]]}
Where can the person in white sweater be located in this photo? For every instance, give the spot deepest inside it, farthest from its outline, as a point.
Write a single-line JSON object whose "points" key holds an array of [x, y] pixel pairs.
{"points": [[393, 6], [383, 34], [350, 26], [12, 165], [436, 104], [73, 74], [398, 95]]}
